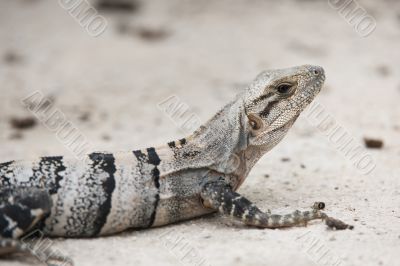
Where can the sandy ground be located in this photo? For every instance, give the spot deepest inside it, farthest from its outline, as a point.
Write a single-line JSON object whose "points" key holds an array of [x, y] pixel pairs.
{"points": [[204, 52]]}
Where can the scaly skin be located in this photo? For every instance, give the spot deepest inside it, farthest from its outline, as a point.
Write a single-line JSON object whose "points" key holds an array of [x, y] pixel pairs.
{"points": [[107, 193]]}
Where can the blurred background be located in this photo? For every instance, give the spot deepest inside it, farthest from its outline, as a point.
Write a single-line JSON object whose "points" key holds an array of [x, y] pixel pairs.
{"points": [[107, 65]]}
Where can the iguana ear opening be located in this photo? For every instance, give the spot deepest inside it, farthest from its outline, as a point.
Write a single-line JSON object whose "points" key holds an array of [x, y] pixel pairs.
{"points": [[255, 122]]}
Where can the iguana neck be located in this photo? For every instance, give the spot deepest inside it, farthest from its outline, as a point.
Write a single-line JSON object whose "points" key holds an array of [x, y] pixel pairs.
{"points": [[224, 138], [223, 134]]}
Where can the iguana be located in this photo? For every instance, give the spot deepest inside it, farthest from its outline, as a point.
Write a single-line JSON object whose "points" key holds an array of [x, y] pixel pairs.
{"points": [[110, 192]]}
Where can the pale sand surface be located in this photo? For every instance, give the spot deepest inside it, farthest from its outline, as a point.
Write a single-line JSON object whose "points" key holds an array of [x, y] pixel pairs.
{"points": [[210, 51]]}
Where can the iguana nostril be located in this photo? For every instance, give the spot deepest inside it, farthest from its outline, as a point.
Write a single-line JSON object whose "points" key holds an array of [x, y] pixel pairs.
{"points": [[317, 71]]}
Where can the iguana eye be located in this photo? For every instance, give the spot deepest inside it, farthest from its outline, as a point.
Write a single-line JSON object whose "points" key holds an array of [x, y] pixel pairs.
{"points": [[284, 88]]}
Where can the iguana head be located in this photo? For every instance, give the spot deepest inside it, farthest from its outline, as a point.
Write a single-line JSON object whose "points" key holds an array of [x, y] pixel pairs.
{"points": [[275, 99], [259, 117]]}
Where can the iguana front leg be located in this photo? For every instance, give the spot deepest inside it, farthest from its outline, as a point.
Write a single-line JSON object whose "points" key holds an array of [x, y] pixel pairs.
{"points": [[219, 196]]}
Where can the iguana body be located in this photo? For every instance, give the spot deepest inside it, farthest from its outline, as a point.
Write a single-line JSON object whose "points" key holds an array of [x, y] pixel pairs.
{"points": [[108, 193]]}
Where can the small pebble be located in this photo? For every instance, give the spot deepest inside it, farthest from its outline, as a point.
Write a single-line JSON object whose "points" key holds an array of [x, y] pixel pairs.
{"points": [[84, 116], [152, 34], [383, 70], [105, 137], [12, 58], [22, 122], [373, 143], [128, 6], [16, 135]]}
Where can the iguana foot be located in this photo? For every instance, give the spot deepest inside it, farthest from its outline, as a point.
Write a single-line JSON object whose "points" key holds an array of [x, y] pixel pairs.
{"points": [[220, 196]]}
